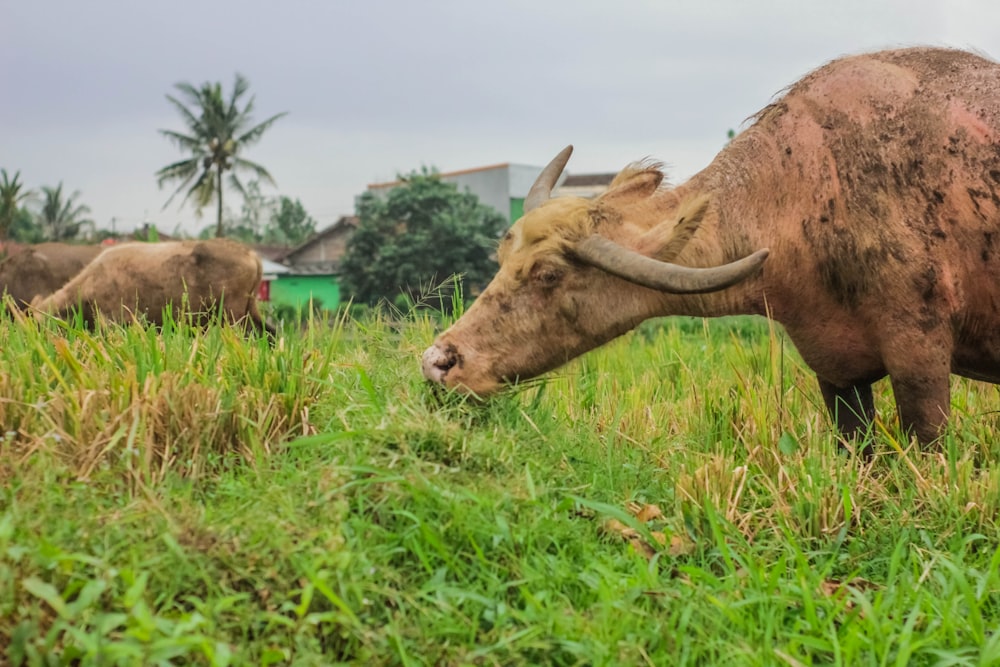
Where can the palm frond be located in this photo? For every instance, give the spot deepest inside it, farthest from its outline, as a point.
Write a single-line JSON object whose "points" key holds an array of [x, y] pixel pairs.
{"points": [[183, 169], [190, 92], [240, 87], [184, 141], [240, 164], [10, 183], [191, 120], [12, 192], [253, 135], [72, 210], [242, 118], [236, 184], [204, 188], [184, 175], [62, 216]]}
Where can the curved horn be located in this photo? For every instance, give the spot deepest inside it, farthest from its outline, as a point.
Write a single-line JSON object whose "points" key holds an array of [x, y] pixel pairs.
{"points": [[542, 189], [664, 276]]}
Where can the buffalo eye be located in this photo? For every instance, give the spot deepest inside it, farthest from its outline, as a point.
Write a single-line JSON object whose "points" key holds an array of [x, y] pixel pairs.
{"points": [[546, 276]]}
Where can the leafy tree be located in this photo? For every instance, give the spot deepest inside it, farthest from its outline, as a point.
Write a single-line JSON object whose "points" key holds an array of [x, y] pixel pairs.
{"points": [[61, 217], [24, 228], [217, 132], [12, 196], [421, 233], [290, 224], [233, 227], [245, 227], [255, 207], [106, 234]]}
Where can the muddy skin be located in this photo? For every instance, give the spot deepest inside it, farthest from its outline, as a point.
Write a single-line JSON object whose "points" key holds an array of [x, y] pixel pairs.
{"points": [[874, 182]]}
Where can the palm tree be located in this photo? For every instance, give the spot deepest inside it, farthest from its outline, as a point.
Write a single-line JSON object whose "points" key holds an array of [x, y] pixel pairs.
{"points": [[217, 131], [12, 196], [61, 217]]}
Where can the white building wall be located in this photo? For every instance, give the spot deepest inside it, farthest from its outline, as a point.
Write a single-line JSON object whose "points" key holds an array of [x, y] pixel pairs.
{"points": [[495, 186], [492, 186], [522, 177]]}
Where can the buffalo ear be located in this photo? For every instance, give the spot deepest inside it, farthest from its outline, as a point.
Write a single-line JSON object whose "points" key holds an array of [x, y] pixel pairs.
{"points": [[667, 240], [633, 186]]}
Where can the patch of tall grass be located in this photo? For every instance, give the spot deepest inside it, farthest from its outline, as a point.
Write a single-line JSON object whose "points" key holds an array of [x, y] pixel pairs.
{"points": [[194, 495]]}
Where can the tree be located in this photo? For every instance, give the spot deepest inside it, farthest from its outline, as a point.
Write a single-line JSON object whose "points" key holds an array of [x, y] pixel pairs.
{"points": [[12, 196], [255, 207], [217, 132], [287, 220], [245, 227], [423, 232], [290, 224], [60, 217], [24, 228]]}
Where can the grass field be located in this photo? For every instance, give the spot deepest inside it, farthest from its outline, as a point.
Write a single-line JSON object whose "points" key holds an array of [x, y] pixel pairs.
{"points": [[676, 498]]}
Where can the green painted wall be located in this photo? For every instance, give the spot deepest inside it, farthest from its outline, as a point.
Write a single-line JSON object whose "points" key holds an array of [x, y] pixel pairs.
{"points": [[516, 209], [297, 290]]}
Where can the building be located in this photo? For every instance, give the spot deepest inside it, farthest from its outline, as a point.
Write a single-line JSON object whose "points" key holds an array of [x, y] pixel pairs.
{"points": [[272, 271], [324, 250], [502, 187], [311, 268], [587, 186], [313, 265]]}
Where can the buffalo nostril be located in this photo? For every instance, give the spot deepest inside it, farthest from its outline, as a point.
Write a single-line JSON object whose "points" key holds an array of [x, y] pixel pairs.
{"points": [[437, 361], [448, 361]]}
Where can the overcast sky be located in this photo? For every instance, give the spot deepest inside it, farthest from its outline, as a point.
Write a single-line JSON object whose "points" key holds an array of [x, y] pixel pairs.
{"points": [[375, 88]]}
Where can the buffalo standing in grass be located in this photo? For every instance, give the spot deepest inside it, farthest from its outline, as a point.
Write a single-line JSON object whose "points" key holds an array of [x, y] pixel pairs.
{"points": [[148, 279], [29, 271], [872, 187]]}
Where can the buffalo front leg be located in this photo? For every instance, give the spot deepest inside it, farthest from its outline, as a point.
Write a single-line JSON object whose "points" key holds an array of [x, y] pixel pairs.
{"points": [[920, 370], [852, 407], [924, 403]]}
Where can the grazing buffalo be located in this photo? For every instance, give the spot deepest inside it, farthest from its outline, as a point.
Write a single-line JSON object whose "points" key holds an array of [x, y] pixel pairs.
{"points": [[872, 187], [148, 279], [28, 271]]}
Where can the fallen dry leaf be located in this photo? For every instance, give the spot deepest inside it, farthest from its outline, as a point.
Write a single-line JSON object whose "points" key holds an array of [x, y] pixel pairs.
{"points": [[643, 547], [616, 527], [680, 545], [644, 513], [676, 545]]}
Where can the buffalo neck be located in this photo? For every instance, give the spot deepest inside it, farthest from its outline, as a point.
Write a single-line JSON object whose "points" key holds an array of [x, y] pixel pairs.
{"points": [[720, 239]]}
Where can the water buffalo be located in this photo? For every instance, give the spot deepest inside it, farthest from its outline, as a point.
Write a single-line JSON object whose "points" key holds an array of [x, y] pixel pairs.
{"points": [[873, 183], [28, 271], [148, 278]]}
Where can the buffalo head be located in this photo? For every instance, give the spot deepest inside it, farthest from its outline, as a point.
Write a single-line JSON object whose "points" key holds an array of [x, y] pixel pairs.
{"points": [[574, 274]]}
